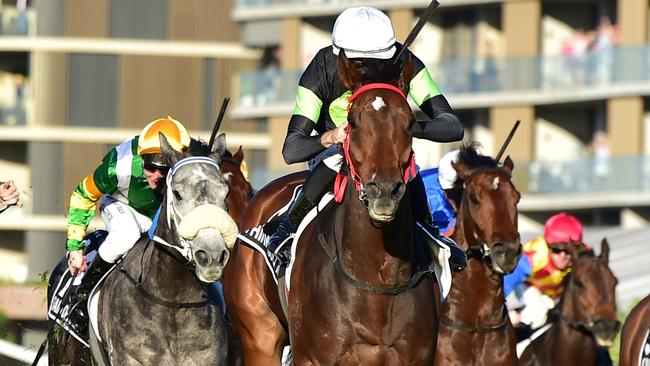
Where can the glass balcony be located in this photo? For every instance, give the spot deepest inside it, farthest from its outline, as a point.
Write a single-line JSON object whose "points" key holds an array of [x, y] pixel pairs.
{"points": [[618, 66], [13, 88], [15, 22], [585, 175]]}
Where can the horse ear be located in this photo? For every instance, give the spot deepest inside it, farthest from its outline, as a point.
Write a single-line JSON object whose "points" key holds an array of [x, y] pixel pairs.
{"points": [[462, 170], [239, 155], [604, 250], [348, 73], [406, 74], [172, 156], [218, 147], [508, 165]]}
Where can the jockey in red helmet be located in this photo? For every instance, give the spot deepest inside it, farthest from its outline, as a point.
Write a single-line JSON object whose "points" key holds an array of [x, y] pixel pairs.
{"points": [[546, 261]]}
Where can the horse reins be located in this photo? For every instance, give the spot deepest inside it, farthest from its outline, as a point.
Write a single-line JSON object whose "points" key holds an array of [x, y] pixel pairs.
{"points": [[466, 328], [342, 179], [138, 284]]}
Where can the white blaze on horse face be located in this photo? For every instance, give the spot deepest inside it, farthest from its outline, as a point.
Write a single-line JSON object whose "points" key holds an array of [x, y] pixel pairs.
{"points": [[227, 176], [495, 183], [378, 103]]}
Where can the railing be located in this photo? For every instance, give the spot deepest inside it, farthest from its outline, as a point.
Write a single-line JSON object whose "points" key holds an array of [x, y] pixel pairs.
{"points": [[616, 66], [585, 175]]}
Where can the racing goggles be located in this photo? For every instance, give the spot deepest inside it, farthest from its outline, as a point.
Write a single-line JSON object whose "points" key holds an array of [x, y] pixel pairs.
{"points": [[153, 162]]}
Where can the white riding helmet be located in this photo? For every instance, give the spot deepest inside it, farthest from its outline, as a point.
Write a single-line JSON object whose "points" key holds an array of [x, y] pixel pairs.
{"points": [[364, 32], [446, 173]]}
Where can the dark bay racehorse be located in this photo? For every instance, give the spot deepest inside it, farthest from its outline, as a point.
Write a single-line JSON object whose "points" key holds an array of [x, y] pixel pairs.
{"points": [[377, 315], [584, 318], [152, 309], [352, 298], [475, 329], [634, 334]]}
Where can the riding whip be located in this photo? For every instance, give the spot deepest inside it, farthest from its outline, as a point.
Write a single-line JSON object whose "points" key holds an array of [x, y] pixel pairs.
{"points": [[418, 27], [217, 123], [505, 143]]}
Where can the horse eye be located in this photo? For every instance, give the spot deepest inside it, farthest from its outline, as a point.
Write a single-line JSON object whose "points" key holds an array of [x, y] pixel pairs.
{"points": [[177, 195], [579, 283], [473, 198]]}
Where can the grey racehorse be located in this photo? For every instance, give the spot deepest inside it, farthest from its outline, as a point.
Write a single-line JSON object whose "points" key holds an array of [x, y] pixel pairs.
{"points": [[153, 308]]}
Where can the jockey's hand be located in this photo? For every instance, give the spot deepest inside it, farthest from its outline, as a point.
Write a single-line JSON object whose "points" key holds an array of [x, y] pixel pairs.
{"points": [[335, 136], [9, 195], [77, 261]]}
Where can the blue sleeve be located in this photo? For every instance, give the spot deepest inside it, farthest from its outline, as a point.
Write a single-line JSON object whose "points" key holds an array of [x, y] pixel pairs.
{"points": [[520, 274], [441, 212], [154, 223]]}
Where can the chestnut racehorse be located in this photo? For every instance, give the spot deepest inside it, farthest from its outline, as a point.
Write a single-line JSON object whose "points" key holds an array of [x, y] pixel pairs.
{"points": [[355, 295], [584, 318], [475, 329], [634, 335]]}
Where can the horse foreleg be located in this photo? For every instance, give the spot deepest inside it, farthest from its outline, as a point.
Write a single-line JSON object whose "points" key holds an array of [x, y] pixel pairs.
{"points": [[263, 338]]}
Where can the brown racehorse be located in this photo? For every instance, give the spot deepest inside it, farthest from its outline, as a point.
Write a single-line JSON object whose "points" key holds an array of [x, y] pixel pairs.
{"points": [[634, 334], [365, 307], [250, 290], [354, 297], [584, 318], [475, 329], [241, 190]]}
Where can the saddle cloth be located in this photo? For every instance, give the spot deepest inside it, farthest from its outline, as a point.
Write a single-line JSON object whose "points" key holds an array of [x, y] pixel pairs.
{"points": [[257, 239], [521, 346], [61, 305]]}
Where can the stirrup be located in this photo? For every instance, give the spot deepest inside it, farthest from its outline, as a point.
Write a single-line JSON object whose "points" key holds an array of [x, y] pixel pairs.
{"points": [[78, 318]]}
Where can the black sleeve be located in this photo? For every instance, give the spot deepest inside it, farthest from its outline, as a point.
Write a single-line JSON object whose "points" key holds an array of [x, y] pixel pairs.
{"points": [[299, 145], [444, 125]]}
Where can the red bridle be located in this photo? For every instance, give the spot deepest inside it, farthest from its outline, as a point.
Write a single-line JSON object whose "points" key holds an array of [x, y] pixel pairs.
{"points": [[342, 180]]}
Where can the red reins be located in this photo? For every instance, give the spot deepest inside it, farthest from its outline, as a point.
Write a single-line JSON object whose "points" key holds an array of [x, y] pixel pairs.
{"points": [[341, 180]]}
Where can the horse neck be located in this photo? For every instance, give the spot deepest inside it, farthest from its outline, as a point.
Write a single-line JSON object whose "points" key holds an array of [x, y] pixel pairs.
{"points": [[369, 251], [569, 337], [477, 280]]}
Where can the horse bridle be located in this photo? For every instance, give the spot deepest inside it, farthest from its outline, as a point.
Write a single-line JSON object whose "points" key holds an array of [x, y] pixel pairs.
{"points": [[342, 178], [585, 325], [479, 250], [173, 217], [184, 250]]}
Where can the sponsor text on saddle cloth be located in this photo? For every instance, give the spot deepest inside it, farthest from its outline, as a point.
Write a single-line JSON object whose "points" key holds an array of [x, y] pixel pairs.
{"points": [[61, 306], [257, 238]]}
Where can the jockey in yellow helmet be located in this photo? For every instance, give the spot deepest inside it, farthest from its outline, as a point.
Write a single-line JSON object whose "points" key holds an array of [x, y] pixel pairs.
{"points": [[130, 180]]}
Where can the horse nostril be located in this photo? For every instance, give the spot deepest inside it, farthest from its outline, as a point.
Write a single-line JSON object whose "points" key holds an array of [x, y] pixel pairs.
{"points": [[202, 258], [372, 190], [398, 189], [223, 258]]}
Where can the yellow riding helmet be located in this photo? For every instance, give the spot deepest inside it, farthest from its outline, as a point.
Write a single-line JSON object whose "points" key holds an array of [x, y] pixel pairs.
{"points": [[174, 131]]}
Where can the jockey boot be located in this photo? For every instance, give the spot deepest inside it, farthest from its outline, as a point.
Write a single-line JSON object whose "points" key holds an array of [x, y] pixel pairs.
{"points": [[420, 207], [288, 226], [78, 317]]}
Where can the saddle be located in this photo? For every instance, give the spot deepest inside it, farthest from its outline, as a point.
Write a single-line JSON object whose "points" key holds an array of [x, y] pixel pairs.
{"points": [[257, 239]]}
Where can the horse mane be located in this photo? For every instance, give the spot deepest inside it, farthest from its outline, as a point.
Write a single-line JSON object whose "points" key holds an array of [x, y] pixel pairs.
{"points": [[469, 156], [199, 147]]}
